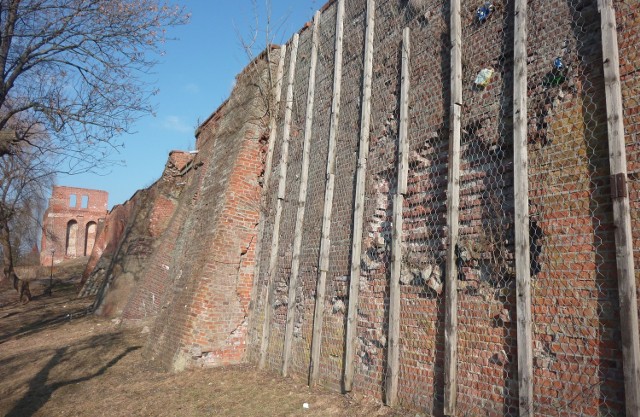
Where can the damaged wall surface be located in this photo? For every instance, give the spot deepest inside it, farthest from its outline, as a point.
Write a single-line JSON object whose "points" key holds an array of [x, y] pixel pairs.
{"points": [[218, 275], [204, 317], [71, 223], [120, 269]]}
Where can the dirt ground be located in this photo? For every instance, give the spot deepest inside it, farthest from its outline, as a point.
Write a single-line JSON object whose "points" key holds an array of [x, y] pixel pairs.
{"points": [[58, 360]]}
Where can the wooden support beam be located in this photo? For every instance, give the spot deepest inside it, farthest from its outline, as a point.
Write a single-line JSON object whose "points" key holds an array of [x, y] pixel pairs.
{"points": [[521, 206], [282, 182], [393, 344], [621, 210], [453, 205], [358, 209], [325, 242], [302, 198], [273, 117]]}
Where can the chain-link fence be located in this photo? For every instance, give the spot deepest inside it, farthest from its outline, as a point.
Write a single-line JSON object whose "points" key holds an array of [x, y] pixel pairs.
{"points": [[576, 332]]}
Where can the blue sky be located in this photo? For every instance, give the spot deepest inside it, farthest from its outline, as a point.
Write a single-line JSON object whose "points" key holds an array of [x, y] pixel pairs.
{"points": [[194, 77]]}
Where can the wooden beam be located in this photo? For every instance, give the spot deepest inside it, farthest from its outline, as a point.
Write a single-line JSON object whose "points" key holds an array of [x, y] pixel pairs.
{"points": [[393, 353], [358, 208], [302, 198], [273, 116], [621, 210], [325, 242], [521, 203], [453, 204], [282, 182]]}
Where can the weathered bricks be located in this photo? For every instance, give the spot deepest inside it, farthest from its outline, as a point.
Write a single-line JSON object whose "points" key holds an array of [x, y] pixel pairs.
{"points": [[204, 263], [71, 223]]}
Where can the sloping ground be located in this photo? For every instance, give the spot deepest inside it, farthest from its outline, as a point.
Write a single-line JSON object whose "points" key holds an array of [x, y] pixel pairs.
{"points": [[57, 360]]}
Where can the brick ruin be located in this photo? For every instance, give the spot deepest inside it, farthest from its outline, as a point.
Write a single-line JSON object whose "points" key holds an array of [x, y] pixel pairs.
{"points": [[195, 254], [71, 223], [129, 243]]}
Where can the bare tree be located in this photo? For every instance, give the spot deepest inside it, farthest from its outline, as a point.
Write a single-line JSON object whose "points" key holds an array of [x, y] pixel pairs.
{"points": [[77, 68], [25, 178]]}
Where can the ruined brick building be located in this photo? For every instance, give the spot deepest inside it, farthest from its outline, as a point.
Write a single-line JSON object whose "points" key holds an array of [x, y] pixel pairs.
{"points": [[369, 222], [71, 223]]}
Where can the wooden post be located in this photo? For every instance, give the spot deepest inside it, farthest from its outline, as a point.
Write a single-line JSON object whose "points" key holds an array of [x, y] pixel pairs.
{"points": [[621, 210], [358, 209], [521, 206], [393, 354], [282, 182], [325, 242], [302, 198], [453, 206], [273, 116]]}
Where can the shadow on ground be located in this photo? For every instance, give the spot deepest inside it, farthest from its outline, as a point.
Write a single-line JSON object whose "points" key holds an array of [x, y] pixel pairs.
{"points": [[40, 390]]}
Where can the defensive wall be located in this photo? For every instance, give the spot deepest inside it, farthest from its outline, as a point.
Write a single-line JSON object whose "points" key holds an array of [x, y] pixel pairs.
{"points": [[120, 271], [323, 247]]}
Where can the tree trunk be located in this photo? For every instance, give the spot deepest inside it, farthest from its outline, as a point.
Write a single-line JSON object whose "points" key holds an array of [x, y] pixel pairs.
{"points": [[7, 138], [9, 273]]}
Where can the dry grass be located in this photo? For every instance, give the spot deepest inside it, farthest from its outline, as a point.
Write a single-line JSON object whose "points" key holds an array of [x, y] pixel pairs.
{"points": [[57, 360]]}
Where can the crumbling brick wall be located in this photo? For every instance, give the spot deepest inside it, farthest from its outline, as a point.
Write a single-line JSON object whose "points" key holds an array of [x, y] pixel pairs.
{"points": [[205, 315], [577, 351], [71, 223], [123, 279], [577, 346], [105, 247], [202, 266]]}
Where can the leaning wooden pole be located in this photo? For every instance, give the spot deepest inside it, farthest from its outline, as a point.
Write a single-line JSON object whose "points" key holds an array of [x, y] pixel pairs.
{"points": [[273, 118], [358, 209], [302, 198], [521, 207], [621, 210], [393, 353], [453, 207], [325, 242], [282, 181]]}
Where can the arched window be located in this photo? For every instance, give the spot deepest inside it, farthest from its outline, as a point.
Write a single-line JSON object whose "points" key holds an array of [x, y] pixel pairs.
{"points": [[90, 238], [72, 238]]}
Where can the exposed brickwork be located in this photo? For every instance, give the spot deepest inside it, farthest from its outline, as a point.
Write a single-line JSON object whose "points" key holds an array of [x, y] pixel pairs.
{"points": [[105, 248], [577, 352], [123, 279], [71, 223], [198, 274], [628, 19], [578, 357], [180, 159], [204, 321]]}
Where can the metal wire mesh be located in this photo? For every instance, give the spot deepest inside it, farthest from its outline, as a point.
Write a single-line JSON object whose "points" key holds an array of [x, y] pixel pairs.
{"points": [[576, 326], [576, 335], [628, 19], [487, 368]]}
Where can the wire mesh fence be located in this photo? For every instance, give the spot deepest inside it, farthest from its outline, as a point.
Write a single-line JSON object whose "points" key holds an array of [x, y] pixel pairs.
{"points": [[577, 341], [576, 332]]}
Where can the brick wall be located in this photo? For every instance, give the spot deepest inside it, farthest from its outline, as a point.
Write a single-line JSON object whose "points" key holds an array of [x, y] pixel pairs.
{"points": [[578, 361], [71, 223], [210, 270], [628, 19], [105, 247], [198, 275], [130, 277]]}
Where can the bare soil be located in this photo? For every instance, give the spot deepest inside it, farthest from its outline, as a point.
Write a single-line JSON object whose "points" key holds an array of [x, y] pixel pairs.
{"points": [[57, 359]]}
